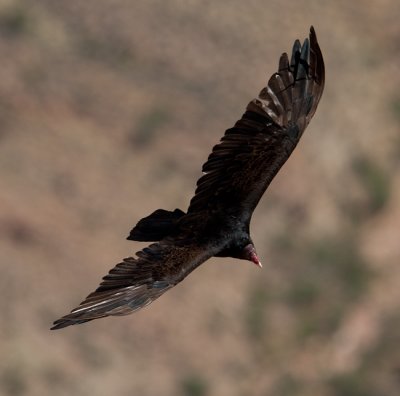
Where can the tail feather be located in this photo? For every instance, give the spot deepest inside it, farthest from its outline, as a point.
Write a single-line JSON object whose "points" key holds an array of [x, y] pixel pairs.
{"points": [[155, 227]]}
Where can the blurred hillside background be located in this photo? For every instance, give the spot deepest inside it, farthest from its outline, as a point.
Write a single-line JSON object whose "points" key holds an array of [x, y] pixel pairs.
{"points": [[108, 109]]}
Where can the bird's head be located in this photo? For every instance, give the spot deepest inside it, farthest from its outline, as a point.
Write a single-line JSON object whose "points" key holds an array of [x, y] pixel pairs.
{"points": [[249, 253]]}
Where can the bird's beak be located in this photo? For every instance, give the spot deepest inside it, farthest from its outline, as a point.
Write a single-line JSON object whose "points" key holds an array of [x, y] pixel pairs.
{"points": [[251, 255], [255, 260]]}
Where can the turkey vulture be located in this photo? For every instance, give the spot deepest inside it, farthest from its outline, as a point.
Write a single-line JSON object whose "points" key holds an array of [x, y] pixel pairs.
{"points": [[235, 176]]}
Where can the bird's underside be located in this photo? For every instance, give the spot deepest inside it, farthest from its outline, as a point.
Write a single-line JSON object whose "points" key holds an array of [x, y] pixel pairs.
{"points": [[236, 175]]}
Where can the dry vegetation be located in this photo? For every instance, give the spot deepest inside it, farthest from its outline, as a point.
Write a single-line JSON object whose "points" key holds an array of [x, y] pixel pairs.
{"points": [[107, 111]]}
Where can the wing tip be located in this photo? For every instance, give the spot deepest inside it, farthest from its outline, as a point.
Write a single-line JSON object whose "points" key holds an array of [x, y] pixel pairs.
{"points": [[60, 324], [65, 322], [302, 75], [57, 326]]}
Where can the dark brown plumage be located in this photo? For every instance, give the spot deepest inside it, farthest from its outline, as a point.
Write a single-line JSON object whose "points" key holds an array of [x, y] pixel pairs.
{"points": [[236, 175]]}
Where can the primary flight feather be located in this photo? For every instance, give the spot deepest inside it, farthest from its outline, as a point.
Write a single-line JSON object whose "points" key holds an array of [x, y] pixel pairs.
{"points": [[236, 175]]}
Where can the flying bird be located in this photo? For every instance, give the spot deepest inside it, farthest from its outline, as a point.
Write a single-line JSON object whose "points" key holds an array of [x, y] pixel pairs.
{"points": [[235, 176]]}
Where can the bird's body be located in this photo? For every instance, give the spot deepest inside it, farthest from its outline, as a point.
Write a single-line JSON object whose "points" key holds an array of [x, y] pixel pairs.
{"points": [[236, 175]]}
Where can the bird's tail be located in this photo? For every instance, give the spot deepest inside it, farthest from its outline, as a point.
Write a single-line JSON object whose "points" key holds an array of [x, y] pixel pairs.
{"points": [[157, 226]]}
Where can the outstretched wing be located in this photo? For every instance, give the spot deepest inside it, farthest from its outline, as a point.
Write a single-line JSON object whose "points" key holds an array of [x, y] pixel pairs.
{"points": [[136, 282], [243, 164]]}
